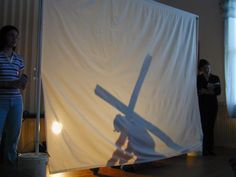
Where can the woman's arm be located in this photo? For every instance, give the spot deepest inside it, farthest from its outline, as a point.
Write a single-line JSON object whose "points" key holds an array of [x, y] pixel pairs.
{"points": [[15, 84], [6, 84]]}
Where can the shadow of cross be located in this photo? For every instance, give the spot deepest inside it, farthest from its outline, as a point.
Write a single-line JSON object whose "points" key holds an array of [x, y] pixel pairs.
{"points": [[129, 112]]}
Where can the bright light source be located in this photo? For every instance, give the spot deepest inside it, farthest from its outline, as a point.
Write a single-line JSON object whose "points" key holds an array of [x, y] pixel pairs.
{"points": [[57, 175], [56, 128]]}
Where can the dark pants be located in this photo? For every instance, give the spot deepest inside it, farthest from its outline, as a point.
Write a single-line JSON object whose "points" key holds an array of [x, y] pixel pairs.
{"points": [[208, 118]]}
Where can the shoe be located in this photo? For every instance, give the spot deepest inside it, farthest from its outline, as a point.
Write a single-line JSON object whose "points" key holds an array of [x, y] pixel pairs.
{"points": [[212, 153], [117, 167], [95, 170], [128, 168], [205, 153]]}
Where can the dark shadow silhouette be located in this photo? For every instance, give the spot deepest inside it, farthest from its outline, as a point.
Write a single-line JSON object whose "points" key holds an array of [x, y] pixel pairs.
{"points": [[139, 142], [135, 134], [134, 129]]}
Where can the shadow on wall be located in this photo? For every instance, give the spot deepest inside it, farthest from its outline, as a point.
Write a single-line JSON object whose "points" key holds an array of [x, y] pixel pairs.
{"points": [[134, 129]]}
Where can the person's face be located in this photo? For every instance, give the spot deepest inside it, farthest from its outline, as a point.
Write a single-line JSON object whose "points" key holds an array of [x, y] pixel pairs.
{"points": [[206, 69], [11, 38]]}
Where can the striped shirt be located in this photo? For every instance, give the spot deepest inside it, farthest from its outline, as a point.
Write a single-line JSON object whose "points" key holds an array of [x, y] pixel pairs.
{"points": [[9, 71]]}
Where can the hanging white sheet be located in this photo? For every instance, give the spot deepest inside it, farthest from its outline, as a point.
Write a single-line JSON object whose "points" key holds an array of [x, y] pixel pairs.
{"points": [[119, 79]]}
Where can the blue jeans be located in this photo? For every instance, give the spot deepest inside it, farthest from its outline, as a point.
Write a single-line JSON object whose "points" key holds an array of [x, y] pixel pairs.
{"points": [[10, 123]]}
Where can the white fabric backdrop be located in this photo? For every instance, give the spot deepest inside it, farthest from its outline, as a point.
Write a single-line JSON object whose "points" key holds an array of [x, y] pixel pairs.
{"points": [[93, 54]]}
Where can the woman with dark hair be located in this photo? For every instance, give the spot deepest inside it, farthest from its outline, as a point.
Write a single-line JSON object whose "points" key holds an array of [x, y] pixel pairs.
{"points": [[208, 86], [11, 83]]}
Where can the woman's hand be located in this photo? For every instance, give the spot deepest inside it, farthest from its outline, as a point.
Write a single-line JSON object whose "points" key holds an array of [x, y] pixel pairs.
{"points": [[20, 83], [208, 91]]}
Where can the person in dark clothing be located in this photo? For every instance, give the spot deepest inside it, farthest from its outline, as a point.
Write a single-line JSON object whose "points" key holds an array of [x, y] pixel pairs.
{"points": [[208, 86]]}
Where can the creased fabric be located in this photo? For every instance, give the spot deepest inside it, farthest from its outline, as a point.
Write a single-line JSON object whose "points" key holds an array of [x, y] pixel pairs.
{"points": [[119, 77]]}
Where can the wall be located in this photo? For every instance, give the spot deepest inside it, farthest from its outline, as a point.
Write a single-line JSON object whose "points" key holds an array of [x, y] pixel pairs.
{"points": [[225, 129], [211, 32], [24, 15], [211, 37], [27, 138]]}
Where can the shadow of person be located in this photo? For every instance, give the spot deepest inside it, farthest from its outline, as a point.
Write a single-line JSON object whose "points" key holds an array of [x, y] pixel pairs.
{"points": [[135, 141]]}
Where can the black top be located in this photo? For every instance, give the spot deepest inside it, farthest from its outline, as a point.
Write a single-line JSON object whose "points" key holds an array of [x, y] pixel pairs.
{"points": [[202, 83]]}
